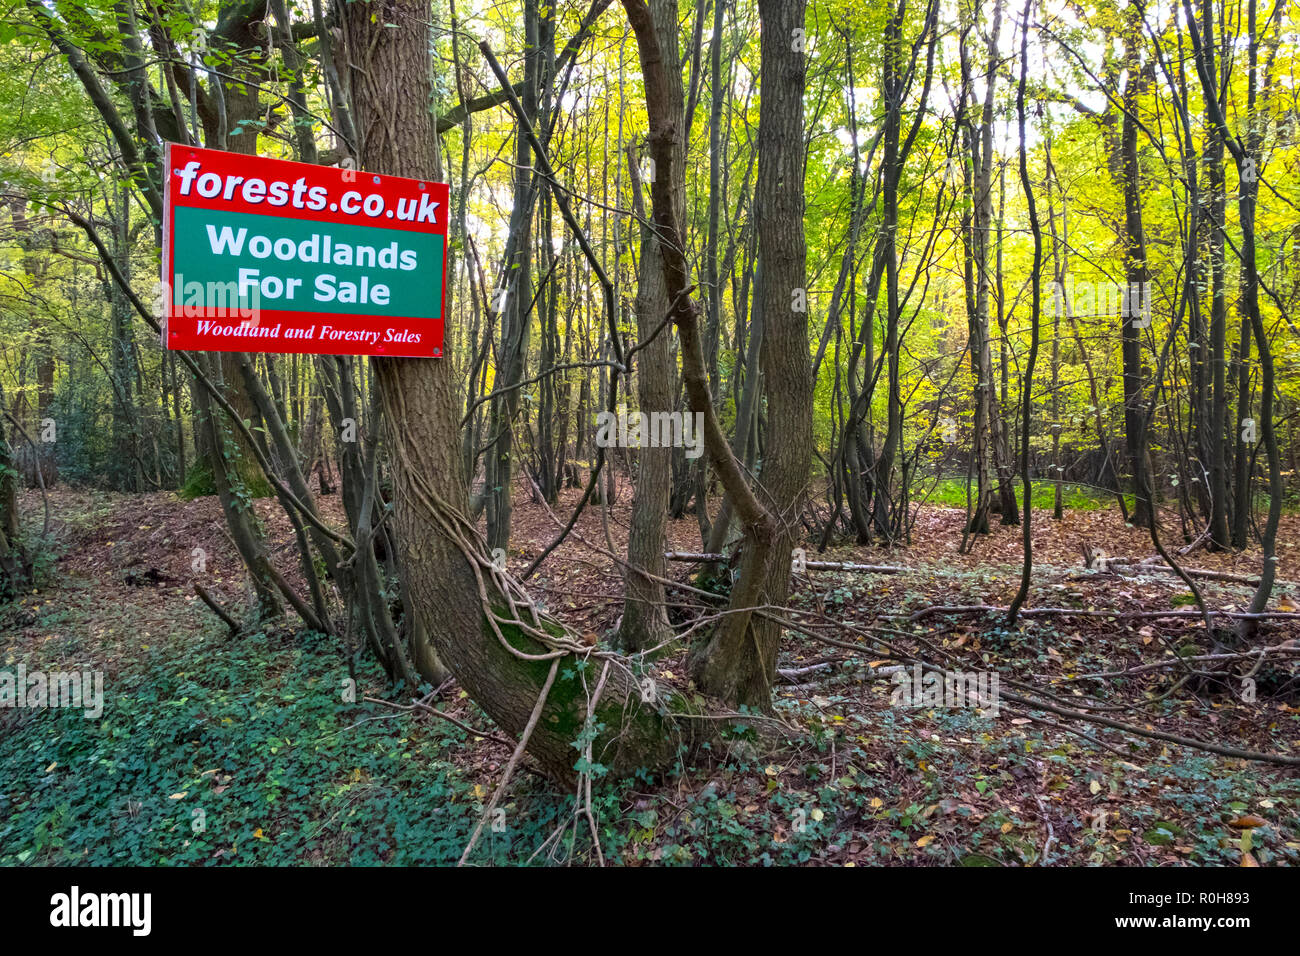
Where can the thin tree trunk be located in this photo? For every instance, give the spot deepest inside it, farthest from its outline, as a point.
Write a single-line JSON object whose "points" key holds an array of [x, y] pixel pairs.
{"points": [[645, 620], [1137, 277], [738, 663]]}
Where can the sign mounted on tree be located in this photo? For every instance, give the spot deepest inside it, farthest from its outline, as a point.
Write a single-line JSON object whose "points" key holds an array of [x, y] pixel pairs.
{"points": [[266, 255]]}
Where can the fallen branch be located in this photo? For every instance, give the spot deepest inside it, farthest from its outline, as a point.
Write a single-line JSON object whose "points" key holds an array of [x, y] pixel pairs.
{"points": [[1083, 612], [1095, 741], [1070, 713], [787, 675], [514, 759], [1124, 565], [1284, 649], [422, 706], [871, 674], [696, 557], [1182, 741]]}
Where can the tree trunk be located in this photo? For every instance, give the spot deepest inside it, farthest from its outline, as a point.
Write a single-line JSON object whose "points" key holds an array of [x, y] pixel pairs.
{"points": [[1218, 442], [1137, 277], [645, 620], [516, 319], [42, 468], [988, 439], [14, 570], [121, 353], [450, 584], [738, 663]]}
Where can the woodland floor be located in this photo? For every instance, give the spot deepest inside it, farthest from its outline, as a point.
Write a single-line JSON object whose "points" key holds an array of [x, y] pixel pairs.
{"points": [[216, 751]]}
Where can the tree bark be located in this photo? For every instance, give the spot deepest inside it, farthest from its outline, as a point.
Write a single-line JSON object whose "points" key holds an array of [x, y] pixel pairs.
{"points": [[645, 620], [1215, 208], [450, 583], [14, 570], [1137, 278], [738, 663], [516, 319]]}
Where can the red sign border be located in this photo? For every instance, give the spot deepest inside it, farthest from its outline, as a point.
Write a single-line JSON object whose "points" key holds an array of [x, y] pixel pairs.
{"points": [[178, 340]]}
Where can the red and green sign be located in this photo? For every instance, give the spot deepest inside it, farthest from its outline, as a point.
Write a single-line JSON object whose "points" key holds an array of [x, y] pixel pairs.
{"points": [[265, 255]]}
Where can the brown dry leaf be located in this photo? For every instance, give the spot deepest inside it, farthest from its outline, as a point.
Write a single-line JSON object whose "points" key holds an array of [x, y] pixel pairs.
{"points": [[1248, 822]]}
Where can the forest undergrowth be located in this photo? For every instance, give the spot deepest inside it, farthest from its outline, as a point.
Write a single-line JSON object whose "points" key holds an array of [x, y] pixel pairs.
{"points": [[257, 749]]}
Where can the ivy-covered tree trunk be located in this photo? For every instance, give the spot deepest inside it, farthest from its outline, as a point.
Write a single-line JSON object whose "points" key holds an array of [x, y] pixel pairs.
{"points": [[450, 583], [13, 559]]}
